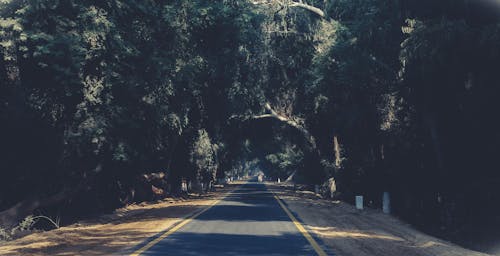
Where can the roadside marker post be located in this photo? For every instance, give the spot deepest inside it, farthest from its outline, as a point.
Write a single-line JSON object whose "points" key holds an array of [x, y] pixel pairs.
{"points": [[386, 203], [359, 202]]}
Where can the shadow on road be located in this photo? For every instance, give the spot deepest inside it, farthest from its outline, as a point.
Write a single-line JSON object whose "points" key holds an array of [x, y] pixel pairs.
{"points": [[235, 245]]}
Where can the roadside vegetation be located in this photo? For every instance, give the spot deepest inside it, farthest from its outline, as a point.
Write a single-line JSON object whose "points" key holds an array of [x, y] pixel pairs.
{"points": [[106, 103]]}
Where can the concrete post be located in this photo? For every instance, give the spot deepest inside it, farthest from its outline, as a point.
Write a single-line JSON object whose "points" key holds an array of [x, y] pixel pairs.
{"points": [[184, 187], [359, 202], [386, 203]]}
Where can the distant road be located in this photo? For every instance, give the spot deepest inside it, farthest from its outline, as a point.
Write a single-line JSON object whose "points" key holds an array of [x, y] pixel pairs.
{"points": [[249, 221]]}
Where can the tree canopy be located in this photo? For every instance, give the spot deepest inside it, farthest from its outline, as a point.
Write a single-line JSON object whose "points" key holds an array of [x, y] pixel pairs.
{"points": [[381, 95]]}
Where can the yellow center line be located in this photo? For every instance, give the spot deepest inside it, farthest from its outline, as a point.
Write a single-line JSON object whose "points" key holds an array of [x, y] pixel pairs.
{"points": [[178, 226], [301, 228]]}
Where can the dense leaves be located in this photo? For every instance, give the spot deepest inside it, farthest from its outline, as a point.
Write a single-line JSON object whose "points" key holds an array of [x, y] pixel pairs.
{"points": [[381, 95]]}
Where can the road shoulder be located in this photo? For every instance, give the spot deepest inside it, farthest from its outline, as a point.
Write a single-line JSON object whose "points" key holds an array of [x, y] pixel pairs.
{"points": [[350, 232], [118, 232]]}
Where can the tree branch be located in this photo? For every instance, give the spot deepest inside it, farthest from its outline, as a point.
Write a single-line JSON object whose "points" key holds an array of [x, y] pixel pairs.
{"points": [[290, 122], [310, 8], [299, 4]]}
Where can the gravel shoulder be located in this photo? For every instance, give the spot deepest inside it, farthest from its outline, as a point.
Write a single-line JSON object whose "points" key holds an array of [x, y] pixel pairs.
{"points": [[350, 232], [113, 233]]}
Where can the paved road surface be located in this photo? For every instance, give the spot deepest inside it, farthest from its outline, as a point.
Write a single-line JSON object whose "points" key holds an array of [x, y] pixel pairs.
{"points": [[249, 221]]}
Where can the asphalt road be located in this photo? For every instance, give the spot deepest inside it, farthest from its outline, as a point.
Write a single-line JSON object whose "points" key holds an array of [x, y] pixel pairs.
{"points": [[249, 221]]}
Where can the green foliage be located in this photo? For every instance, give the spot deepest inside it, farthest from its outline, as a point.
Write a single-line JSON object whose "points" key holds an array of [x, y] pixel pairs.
{"points": [[204, 157], [378, 93], [286, 162]]}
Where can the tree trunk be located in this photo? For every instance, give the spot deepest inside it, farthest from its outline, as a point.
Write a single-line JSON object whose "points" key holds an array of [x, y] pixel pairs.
{"points": [[436, 143], [336, 148]]}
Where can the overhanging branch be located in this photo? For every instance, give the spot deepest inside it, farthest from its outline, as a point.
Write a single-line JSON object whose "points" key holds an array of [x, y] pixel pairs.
{"points": [[288, 121], [310, 8], [298, 4]]}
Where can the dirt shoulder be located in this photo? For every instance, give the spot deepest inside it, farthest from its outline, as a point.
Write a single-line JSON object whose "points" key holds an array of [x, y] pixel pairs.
{"points": [[124, 229], [350, 232]]}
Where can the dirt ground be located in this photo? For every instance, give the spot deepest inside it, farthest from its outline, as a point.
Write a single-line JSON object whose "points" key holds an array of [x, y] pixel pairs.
{"points": [[351, 232], [113, 233], [342, 228]]}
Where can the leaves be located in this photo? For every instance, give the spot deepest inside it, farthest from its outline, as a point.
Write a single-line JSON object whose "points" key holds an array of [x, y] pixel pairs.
{"points": [[120, 88]]}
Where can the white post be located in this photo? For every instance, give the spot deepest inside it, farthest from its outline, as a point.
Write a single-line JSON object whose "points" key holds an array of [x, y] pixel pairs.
{"points": [[359, 202], [386, 203], [184, 187], [279, 180]]}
